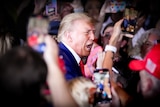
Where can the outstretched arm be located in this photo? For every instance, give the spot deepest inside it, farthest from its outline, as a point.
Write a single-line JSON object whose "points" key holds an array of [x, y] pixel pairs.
{"points": [[60, 93], [108, 63], [116, 36]]}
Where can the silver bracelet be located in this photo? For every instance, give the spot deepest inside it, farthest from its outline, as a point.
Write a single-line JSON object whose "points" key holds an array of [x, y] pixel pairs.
{"points": [[110, 48]]}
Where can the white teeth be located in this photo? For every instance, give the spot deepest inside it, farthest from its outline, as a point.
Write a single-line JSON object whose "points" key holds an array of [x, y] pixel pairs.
{"points": [[89, 46]]}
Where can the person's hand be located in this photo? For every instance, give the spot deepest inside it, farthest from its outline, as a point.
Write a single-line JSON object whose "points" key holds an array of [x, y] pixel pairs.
{"points": [[118, 34], [51, 50]]}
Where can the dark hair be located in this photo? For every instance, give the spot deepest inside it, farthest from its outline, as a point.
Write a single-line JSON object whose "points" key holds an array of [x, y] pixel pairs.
{"points": [[108, 25], [22, 73]]}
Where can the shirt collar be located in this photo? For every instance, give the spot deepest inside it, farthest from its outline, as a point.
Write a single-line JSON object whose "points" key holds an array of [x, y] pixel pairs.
{"points": [[73, 52]]}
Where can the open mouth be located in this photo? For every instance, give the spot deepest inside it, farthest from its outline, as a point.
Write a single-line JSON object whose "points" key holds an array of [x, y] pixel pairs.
{"points": [[89, 47]]}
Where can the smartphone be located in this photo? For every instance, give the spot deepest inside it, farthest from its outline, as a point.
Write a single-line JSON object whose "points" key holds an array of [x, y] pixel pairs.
{"points": [[37, 28], [129, 22], [51, 7], [103, 91]]}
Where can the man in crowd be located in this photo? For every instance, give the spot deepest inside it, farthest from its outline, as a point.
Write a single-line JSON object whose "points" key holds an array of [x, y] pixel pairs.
{"points": [[75, 36]]}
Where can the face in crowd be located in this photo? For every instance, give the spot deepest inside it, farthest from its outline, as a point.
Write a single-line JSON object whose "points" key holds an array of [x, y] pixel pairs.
{"points": [[150, 42], [77, 31]]}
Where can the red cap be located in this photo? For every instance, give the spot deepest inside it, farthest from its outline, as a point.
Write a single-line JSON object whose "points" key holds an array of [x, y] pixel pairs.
{"points": [[151, 62]]}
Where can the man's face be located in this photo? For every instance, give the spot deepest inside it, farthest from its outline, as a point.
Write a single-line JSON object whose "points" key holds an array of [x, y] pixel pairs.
{"points": [[151, 41], [82, 36]]}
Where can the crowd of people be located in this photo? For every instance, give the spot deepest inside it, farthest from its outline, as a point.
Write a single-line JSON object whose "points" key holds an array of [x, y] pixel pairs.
{"points": [[50, 59]]}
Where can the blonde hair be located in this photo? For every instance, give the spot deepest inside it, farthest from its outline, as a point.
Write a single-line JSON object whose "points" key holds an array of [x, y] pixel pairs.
{"points": [[37, 22], [79, 88], [68, 22]]}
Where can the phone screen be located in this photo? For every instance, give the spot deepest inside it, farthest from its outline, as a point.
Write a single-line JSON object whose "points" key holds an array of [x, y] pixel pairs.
{"points": [[51, 7], [129, 23], [103, 92]]}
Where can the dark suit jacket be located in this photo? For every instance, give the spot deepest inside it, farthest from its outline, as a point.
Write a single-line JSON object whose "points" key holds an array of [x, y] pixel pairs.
{"points": [[72, 68]]}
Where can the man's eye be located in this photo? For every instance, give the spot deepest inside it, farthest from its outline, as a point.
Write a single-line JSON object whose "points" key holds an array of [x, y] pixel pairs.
{"points": [[148, 44], [90, 31], [87, 32]]}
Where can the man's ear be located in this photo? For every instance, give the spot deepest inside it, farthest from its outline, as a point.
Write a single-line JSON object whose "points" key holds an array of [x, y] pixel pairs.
{"points": [[68, 36]]}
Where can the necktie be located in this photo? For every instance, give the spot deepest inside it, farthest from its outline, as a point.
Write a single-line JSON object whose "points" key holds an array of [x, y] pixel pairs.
{"points": [[82, 67]]}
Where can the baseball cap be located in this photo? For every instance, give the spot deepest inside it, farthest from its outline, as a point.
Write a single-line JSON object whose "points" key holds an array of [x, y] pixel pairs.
{"points": [[151, 62]]}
